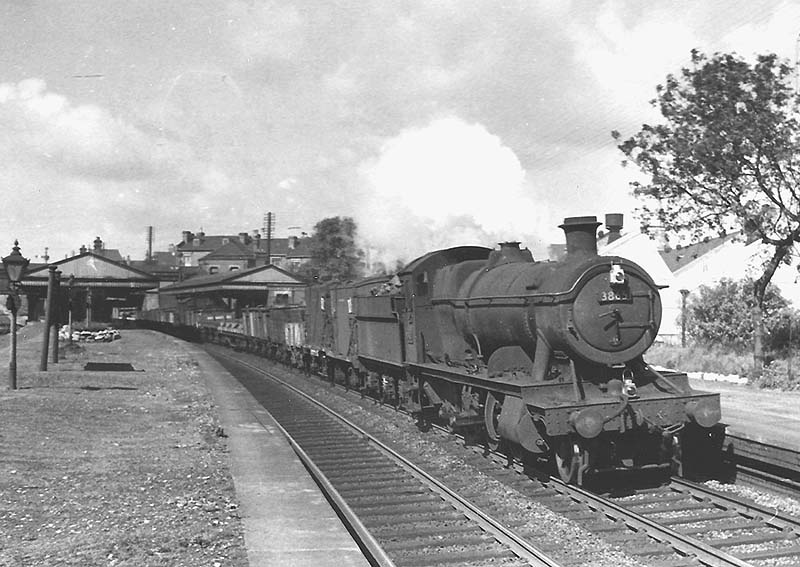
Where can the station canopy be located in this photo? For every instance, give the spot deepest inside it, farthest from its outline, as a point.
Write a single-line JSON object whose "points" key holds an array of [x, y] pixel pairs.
{"points": [[262, 285]]}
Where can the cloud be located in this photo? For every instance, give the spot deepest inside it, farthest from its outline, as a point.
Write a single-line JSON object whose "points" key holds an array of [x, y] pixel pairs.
{"points": [[440, 122], [78, 170], [764, 31], [629, 51], [80, 140], [265, 31]]}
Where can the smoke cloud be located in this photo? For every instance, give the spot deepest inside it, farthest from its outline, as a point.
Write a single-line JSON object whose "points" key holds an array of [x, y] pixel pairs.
{"points": [[449, 183]]}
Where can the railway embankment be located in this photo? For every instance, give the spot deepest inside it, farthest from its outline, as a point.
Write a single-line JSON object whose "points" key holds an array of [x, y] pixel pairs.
{"points": [[114, 467]]}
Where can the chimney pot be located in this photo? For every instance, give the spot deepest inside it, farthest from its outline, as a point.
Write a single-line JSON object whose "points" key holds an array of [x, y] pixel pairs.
{"points": [[614, 225]]}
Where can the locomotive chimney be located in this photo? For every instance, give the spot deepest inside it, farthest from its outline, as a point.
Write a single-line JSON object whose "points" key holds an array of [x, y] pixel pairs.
{"points": [[614, 226], [581, 236]]}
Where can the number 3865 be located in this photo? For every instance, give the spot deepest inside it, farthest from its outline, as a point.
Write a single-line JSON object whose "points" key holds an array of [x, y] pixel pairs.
{"points": [[612, 295]]}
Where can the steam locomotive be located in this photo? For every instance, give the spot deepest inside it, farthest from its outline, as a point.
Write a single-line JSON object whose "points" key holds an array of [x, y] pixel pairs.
{"points": [[544, 357]]}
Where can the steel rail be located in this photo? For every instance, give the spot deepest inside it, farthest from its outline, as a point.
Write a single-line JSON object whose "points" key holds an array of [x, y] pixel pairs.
{"points": [[502, 534]]}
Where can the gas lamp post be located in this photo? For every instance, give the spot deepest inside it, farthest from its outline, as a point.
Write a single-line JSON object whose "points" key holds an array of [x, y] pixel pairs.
{"points": [[15, 265]]}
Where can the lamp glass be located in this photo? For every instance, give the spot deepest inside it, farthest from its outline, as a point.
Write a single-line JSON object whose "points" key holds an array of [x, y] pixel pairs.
{"points": [[15, 263]]}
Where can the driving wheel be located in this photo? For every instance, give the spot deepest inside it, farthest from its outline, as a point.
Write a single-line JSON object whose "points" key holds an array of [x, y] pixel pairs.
{"points": [[567, 456]]}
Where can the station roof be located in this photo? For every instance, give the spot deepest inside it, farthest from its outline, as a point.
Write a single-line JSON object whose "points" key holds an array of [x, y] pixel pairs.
{"points": [[92, 270], [254, 279]]}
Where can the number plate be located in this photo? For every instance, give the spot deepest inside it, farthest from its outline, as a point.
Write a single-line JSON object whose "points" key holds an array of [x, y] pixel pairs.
{"points": [[615, 296]]}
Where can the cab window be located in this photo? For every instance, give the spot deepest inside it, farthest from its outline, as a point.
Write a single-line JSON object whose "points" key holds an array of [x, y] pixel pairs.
{"points": [[422, 284]]}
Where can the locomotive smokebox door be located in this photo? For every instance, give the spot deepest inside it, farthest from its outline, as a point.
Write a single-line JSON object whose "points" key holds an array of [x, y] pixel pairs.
{"points": [[616, 313]]}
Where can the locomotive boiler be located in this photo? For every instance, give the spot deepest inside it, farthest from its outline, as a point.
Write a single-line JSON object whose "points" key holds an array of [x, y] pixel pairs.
{"points": [[546, 357]]}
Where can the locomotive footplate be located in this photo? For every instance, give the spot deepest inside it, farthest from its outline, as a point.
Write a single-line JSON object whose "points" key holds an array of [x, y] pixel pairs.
{"points": [[509, 384], [593, 416]]}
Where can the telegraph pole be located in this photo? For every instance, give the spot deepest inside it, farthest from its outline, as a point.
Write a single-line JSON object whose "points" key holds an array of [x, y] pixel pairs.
{"points": [[268, 219]]}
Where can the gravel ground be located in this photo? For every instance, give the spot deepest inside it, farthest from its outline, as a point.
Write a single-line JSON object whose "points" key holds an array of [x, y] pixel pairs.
{"points": [[114, 468], [783, 504]]}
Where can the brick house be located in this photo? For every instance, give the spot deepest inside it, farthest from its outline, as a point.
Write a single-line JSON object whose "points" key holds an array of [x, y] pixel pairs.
{"points": [[228, 253]]}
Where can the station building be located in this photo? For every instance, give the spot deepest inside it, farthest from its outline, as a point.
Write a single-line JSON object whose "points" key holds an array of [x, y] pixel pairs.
{"points": [[221, 296], [91, 286], [203, 275]]}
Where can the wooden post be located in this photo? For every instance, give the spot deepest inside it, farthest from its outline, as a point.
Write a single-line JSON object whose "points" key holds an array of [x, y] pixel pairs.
{"points": [[48, 314], [55, 320], [88, 306]]}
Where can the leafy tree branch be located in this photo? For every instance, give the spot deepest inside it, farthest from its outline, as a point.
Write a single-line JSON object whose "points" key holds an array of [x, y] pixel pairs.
{"points": [[725, 158]]}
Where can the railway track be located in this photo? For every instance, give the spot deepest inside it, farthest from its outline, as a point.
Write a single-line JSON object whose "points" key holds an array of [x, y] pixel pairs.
{"points": [[677, 525], [744, 530], [399, 513]]}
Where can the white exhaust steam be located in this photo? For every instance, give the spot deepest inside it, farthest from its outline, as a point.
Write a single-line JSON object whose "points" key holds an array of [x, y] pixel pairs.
{"points": [[446, 184]]}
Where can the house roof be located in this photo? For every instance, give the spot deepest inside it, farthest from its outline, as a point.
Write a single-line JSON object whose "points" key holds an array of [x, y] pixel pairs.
{"points": [[280, 247], [205, 243], [231, 246], [162, 264], [232, 250], [681, 256], [112, 254]]}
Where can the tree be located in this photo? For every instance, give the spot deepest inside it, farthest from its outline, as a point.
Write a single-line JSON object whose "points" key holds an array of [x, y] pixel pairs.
{"points": [[725, 158], [334, 254], [720, 315]]}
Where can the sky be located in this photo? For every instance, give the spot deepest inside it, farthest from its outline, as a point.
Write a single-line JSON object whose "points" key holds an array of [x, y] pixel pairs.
{"points": [[432, 123]]}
